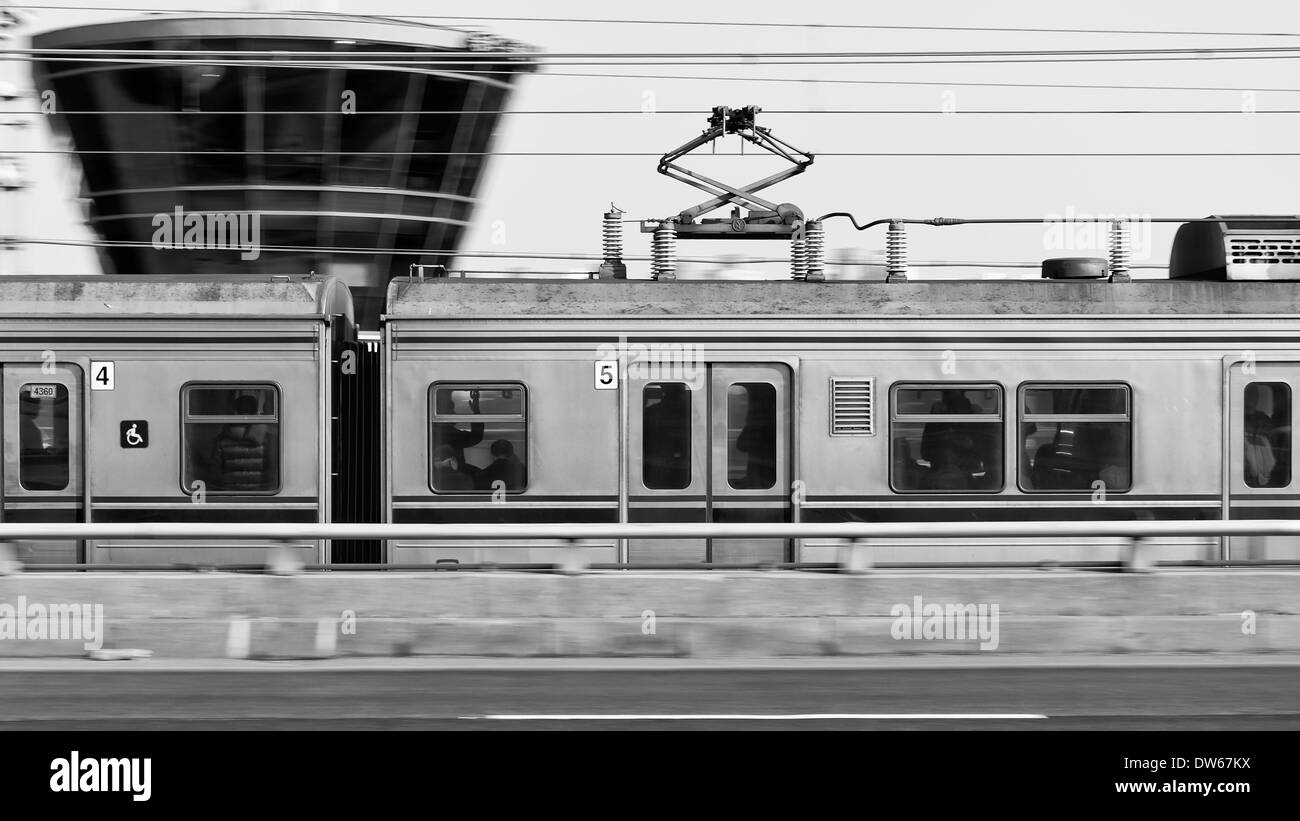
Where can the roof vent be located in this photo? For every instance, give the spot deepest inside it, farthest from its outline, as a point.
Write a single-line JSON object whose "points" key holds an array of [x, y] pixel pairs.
{"points": [[1237, 247], [1075, 268]]}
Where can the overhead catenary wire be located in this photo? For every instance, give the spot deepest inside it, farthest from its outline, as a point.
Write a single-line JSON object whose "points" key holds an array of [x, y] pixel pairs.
{"points": [[362, 60], [398, 17], [692, 112], [539, 255], [52, 53], [805, 81], [434, 252], [594, 154]]}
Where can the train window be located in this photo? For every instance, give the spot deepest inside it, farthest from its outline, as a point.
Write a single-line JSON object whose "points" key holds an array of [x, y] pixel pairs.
{"points": [[1266, 430], [43, 437], [479, 437], [1074, 436], [666, 436], [231, 438], [946, 438], [751, 435]]}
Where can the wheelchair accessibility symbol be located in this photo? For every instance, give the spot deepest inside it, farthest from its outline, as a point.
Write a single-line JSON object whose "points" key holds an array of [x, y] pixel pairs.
{"points": [[134, 433]]}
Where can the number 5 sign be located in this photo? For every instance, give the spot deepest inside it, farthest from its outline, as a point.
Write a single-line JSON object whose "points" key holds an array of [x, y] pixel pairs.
{"points": [[101, 376], [606, 374]]}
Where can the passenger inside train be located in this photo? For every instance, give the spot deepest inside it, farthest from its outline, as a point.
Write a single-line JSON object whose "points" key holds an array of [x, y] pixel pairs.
{"points": [[465, 418], [1076, 436], [447, 474], [231, 438], [239, 452], [505, 468], [455, 438], [1266, 432], [43, 437], [947, 453]]}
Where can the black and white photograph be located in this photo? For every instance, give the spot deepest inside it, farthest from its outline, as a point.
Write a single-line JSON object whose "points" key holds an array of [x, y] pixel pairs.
{"points": [[407, 401]]}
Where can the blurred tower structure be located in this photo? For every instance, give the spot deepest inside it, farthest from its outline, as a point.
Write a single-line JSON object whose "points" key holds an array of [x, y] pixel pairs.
{"points": [[15, 125], [356, 159]]}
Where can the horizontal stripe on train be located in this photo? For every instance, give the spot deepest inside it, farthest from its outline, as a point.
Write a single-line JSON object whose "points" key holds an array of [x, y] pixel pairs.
{"points": [[895, 338], [699, 514], [1003, 514], [505, 514], [103, 343], [1236, 512], [466, 498], [542, 336], [661, 515], [212, 499], [1082, 495], [859, 338], [206, 513], [47, 515]]}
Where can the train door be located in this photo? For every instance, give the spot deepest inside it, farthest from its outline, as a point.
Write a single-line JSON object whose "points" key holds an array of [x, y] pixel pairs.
{"points": [[41, 424], [1261, 475], [713, 448]]}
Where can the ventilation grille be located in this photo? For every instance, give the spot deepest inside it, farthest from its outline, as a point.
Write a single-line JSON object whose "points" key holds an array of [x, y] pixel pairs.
{"points": [[852, 406], [1264, 250]]}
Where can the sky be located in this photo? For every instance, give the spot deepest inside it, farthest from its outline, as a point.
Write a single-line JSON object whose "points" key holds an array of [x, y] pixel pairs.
{"points": [[554, 205]]}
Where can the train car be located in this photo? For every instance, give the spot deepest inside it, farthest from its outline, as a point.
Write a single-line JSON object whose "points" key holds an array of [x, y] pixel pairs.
{"points": [[723, 401], [146, 399]]}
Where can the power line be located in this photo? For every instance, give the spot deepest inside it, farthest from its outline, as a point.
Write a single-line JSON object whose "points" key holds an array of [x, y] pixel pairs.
{"points": [[693, 112], [853, 82], [324, 249], [282, 61], [709, 23], [410, 54], [593, 154], [724, 259], [959, 84]]}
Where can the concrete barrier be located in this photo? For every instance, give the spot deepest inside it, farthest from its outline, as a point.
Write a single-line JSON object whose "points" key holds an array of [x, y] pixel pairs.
{"points": [[678, 614]]}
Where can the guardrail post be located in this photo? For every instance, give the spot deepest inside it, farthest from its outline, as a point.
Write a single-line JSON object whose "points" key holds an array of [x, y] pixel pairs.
{"points": [[283, 560], [9, 563], [855, 557], [573, 559], [1139, 559]]}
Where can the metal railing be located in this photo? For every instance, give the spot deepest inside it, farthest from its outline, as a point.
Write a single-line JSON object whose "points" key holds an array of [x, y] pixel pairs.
{"points": [[855, 538]]}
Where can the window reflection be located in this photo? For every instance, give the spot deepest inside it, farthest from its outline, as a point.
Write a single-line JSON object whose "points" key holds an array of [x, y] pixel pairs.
{"points": [[231, 438], [947, 439], [479, 438], [43, 437], [1266, 433], [1074, 436], [751, 435], [666, 436]]}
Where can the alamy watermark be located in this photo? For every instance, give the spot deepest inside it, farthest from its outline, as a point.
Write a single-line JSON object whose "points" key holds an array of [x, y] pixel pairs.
{"points": [[209, 230], [60, 621], [932, 621], [1077, 231], [657, 361], [127, 775]]}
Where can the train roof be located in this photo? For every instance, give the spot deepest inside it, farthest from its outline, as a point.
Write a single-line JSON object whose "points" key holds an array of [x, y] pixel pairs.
{"points": [[173, 296], [461, 298]]}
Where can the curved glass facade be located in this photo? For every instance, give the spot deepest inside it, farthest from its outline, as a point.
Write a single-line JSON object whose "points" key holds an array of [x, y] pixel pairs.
{"points": [[357, 170]]}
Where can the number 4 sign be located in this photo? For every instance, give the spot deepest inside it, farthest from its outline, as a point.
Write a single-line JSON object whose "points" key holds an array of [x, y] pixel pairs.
{"points": [[101, 376]]}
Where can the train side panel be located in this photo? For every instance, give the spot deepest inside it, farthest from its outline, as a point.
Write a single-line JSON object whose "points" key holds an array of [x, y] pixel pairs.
{"points": [[563, 431]]}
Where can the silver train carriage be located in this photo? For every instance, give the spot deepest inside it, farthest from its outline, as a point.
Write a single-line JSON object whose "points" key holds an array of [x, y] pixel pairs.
{"points": [[139, 399], [724, 401]]}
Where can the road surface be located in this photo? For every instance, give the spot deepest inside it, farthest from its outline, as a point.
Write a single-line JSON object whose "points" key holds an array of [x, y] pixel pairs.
{"points": [[629, 695]]}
